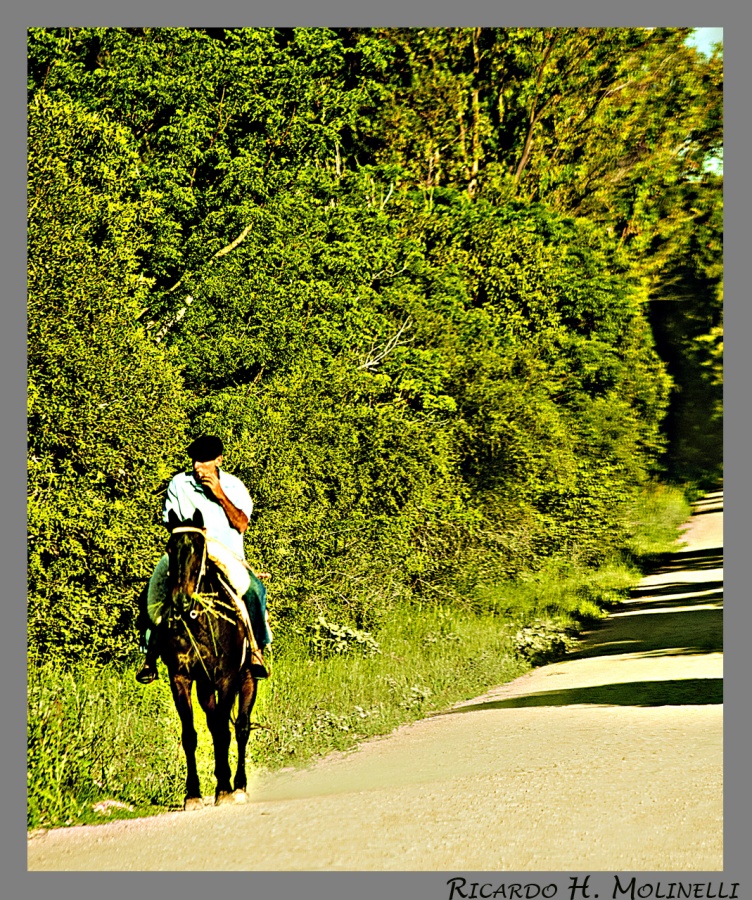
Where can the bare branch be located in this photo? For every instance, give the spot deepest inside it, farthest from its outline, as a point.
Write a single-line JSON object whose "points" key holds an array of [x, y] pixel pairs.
{"points": [[381, 275], [238, 240], [181, 312], [372, 361], [535, 114], [386, 199], [174, 320]]}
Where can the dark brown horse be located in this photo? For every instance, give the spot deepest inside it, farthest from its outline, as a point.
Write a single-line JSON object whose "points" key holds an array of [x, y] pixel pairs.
{"points": [[203, 639]]}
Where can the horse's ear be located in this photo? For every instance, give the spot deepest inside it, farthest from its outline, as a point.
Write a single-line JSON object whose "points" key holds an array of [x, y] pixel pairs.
{"points": [[172, 520], [198, 519]]}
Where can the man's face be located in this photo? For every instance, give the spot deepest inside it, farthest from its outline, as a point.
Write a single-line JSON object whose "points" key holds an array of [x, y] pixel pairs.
{"points": [[208, 467]]}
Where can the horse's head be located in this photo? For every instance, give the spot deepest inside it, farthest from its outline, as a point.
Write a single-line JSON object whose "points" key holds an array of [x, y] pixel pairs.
{"points": [[186, 550]]}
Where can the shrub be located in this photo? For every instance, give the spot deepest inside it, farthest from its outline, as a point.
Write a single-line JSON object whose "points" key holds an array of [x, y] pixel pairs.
{"points": [[328, 639]]}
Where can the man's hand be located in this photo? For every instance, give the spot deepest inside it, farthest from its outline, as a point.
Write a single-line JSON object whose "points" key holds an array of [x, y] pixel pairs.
{"points": [[210, 482], [208, 475]]}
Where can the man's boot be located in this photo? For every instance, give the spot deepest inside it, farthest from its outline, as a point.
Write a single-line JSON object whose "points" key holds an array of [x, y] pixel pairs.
{"points": [[258, 668], [149, 671], [255, 601]]}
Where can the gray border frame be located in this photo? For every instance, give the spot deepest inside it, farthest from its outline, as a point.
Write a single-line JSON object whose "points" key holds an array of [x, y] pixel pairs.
{"points": [[17, 882]]}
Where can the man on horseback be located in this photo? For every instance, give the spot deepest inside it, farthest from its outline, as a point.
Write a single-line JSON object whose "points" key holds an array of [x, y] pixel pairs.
{"points": [[226, 507]]}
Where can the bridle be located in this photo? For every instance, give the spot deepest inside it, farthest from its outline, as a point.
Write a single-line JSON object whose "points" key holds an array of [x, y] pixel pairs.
{"points": [[201, 531], [182, 529]]}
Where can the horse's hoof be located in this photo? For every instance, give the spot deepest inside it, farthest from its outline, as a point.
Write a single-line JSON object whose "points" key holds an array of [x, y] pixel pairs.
{"points": [[240, 796], [223, 798], [193, 803]]}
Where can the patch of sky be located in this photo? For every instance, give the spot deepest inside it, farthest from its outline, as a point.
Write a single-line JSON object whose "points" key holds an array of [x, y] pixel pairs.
{"points": [[705, 39]]}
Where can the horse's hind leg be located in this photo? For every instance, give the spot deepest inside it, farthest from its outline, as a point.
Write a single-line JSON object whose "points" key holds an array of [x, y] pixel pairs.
{"points": [[217, 704], [246, 699], [181, 694]]}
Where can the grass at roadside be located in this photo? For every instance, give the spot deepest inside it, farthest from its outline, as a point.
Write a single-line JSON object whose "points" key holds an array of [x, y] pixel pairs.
{"points": [[102, 747], [97, 737], [655, 521]]}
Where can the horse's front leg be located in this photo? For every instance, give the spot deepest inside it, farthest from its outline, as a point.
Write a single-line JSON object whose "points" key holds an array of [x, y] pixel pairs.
{"points": [[216, 701], [181, 694], [246, 699]]}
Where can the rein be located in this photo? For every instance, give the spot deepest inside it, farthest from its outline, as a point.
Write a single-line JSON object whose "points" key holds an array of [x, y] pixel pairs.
{"points": [[237, 607], [211, 608]]}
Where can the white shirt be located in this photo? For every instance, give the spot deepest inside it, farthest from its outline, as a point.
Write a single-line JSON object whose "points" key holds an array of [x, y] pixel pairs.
{"points": [[185, 495]]}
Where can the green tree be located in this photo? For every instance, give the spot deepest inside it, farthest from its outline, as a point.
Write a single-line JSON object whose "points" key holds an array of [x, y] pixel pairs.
{"points": [[388, 267], [106, 408]]}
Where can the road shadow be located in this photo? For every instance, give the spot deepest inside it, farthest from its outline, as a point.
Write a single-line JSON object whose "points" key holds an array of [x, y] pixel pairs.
{"points": [[680, 692], [687, 561], [709, 598], [655, 626], [681, 617], [714, 494], [676, 587], [677, 633]]}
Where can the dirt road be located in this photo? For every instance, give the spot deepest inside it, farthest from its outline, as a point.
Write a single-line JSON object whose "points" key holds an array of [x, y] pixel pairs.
{"points": [[608, 760]]}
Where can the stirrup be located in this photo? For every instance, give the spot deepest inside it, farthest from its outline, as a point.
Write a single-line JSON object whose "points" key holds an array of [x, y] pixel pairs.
{"points": [[147, 674]]}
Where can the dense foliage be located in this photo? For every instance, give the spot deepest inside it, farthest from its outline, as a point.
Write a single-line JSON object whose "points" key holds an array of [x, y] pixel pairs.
{"points": [[403, 273]]}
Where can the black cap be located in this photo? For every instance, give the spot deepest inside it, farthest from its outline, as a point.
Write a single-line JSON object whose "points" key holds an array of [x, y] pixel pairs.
{"points": [[205, 448]]}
